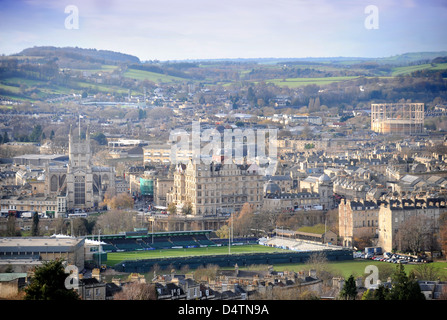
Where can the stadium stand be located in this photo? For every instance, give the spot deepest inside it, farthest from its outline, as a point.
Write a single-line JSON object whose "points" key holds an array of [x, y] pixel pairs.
{"points": [[297, 245], [203, 240], [235, 241], [136, 241], [160, 242], [184, 241], [126, 244]]}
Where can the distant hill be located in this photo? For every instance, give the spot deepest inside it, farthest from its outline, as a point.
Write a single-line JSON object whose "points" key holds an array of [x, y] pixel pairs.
{"points": [[75, 53], [413, 57]]}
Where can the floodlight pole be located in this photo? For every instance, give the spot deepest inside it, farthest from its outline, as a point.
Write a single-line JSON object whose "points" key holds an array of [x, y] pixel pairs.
{"points": [[99, 248], [229, 234]]}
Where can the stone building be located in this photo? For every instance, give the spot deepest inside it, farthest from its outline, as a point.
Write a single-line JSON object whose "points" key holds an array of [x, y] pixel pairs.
{"points": [[216, 188], [394, 213], [83, 184], [357, 218], [321, 199]]}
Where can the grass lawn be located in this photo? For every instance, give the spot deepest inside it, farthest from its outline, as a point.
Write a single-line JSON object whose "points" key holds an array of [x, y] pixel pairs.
{"points": [[338, 268], [116, 257], [357, 267]]}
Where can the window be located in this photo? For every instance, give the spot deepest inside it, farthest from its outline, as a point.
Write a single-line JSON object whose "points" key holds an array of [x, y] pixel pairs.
{"points": [[53, 183], [79, 196]]}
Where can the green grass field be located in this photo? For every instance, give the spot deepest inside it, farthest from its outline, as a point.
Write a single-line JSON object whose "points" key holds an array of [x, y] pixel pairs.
{"points": [[408, 69], [151, 76], [357, 267], [338, 268], [298, 82], [116, 257]]}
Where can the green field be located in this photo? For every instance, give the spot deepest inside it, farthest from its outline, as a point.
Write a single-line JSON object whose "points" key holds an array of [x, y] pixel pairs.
{"points": [[408, 69], [116, 257], [298, 82], [151, 76], [337, 268], [104, 68], [357, 267]]}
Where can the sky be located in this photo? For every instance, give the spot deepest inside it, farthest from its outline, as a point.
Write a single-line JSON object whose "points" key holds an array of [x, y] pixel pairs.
{"points": [[218, 29]]}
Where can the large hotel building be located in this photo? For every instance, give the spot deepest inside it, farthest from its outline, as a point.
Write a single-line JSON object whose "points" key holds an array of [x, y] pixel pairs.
{"points": [[216, 188]]}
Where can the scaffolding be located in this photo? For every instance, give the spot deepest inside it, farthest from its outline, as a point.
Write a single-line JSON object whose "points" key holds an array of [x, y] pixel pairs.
{"points": [[397, 118]]}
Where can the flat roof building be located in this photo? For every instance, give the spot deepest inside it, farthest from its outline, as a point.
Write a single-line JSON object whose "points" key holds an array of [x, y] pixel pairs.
{"points": [[23, 254]]}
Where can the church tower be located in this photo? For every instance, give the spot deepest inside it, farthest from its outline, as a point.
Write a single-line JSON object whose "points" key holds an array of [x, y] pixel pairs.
{"points": [[79, 174], [81, 184]]}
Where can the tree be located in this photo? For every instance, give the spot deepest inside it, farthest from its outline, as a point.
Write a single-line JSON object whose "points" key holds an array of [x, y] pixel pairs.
{"points": [[100, 138], [443, 232], [5, 137], [426, 271], [48, 283], [11, 225], [242, 221], [119, 201], [223, 232], [404, 287], [381, 293], [36, 134], [368, 295], [172, 208], [187, 208], [81, 226], [414, 234], [349, 290], [207, 273], [137, 291], [115, 221], [35, 226]]}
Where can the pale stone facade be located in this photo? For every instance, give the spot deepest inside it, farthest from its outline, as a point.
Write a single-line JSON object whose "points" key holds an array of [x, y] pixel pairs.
{"points": [[213, 189], [357, 218], [83, 184], [394, 214]]}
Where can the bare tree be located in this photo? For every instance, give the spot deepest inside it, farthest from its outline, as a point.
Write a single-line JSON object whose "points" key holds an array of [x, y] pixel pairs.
{"points": [[137, 291], [413, 234], [119, 201], [115, 221], [443, 232], [242, 222], [426, 271]]}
